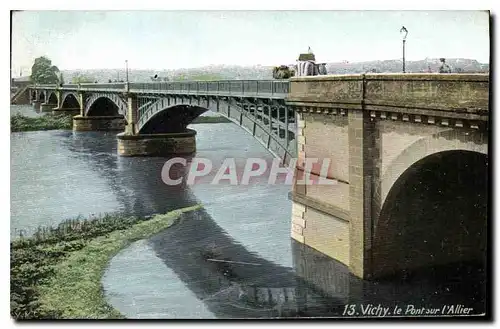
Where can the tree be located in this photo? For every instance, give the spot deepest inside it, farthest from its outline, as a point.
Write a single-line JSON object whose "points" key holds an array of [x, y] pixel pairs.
{"points": [[282, 72], [43, 72], [61, 79], [80, 78]]}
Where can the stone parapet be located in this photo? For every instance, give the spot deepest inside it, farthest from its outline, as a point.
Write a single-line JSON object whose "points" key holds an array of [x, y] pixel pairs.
{"points": [[467, 94]]}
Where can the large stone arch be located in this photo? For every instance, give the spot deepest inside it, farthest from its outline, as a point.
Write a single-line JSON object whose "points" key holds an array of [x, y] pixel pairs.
{"points": [[113, 98], [68, 100], [175, 107], [448, 140], [433, 204]]}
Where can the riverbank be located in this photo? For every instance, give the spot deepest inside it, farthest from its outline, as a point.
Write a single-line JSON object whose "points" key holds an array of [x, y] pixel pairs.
{"points": [[56, 273], [19, 122]]}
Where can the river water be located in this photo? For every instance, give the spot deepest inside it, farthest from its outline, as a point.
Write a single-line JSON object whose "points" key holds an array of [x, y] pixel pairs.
{"points": [[232, 259]]}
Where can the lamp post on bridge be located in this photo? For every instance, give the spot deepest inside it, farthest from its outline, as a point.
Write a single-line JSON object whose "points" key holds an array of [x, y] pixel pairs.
{"points": [[126, 79], [126, 69], [405, 31]]}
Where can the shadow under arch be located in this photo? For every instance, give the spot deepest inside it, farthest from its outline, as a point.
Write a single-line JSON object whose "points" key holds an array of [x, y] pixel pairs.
{"points": [[434, 215], [41, 96], [173, 119], [102, 106], [52, 99], [99, 104], [448, 140], [70, 101]]}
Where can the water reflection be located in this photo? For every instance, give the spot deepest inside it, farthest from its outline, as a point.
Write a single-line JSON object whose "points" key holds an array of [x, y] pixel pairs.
{"points": [[136, 181], [233, 259], [229, 281]]}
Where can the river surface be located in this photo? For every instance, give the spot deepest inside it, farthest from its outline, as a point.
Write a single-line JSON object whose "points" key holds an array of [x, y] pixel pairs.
{"points": [[232, 259]]}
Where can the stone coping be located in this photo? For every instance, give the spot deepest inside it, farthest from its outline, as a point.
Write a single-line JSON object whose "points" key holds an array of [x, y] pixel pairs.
{"points": [[79, 117], [484, 77], [188, 133]]}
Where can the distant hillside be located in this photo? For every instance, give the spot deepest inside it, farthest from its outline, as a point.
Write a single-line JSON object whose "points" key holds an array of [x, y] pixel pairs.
{"points": [[258, 72], [458, 65]]}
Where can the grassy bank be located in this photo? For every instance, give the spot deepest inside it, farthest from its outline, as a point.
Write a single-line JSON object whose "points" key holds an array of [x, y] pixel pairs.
{"points": [[20, 122], [57, 273]]}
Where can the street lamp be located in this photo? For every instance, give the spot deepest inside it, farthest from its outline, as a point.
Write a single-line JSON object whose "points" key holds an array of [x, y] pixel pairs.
{"points": [[126, 68], [405, 31]]}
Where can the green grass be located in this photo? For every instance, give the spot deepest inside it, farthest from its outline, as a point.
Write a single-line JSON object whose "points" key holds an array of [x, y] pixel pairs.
{"points": [[20, 122], [62, 279]]}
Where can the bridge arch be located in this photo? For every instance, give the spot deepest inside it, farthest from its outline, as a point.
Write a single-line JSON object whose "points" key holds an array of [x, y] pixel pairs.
{"points": [[41, 96], [171, 119], [105, 105], [434, 199], [448, 140], [70, 100], [176, 113], [52, 98]]}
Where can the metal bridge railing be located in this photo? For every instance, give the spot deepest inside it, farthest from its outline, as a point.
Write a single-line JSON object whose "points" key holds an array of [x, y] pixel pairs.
{"points": [[223, 87], [100, 86]]}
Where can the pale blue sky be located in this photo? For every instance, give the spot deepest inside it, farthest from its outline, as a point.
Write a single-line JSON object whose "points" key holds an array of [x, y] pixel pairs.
{"points": [[180, 39]]}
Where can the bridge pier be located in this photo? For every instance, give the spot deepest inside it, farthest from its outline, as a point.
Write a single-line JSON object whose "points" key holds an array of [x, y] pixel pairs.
{"points": [[82, 122], [98, 123], [157, 144], [44, 107], [36, 105], [132, 143]]}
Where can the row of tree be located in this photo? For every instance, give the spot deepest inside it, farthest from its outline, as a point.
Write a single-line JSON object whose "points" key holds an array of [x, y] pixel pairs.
{"points": [[43, 72]]}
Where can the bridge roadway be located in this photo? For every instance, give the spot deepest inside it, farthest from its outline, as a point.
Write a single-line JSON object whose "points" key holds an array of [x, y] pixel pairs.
{"points": [[405, 151]]}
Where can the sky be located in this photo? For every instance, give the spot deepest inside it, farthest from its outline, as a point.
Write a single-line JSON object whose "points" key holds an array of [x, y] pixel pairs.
{"points": [[184, 39]]}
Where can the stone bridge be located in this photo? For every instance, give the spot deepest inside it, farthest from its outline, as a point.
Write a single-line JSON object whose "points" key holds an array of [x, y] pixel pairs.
{"points": [[408, 153], [409, 156]]}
